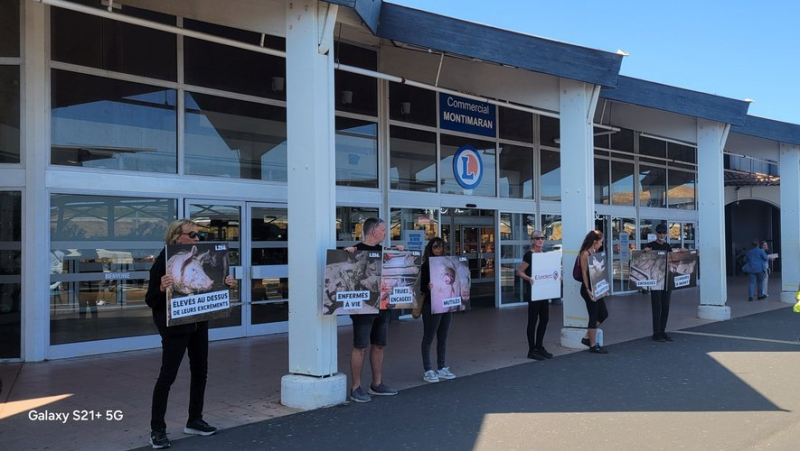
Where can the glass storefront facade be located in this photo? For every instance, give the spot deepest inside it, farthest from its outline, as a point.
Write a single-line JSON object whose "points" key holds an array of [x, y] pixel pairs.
{"points": [[129, 101]]}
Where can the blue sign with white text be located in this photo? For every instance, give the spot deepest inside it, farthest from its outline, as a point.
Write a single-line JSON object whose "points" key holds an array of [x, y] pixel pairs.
{"points": [[466, 115]]}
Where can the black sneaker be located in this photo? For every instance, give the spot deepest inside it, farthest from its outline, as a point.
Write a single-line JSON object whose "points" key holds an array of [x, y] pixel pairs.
{"points": [[666, 337], [761, 298], [199, 427], [159, 439], [597, 350], [659, 338], [536, 355], [544, 352], [381, 390], [586, 342]]}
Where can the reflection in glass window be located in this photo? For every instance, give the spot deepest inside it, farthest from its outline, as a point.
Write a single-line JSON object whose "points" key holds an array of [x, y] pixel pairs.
{"points": [[516, 172], [111, 124], [449, 146], [9, 112], [653, 186], [101, 250], [356, 153], [356, 93], [515, 125], [602, 187], [236, 139], [513, 244], [10, 273], [550, 179], [270, 252], [405, 219], [621, 183], [412, 104], [413, 159], [348, 224], [232, 69], [9, 28], [92, 41], [681, 190], [551, 226]]}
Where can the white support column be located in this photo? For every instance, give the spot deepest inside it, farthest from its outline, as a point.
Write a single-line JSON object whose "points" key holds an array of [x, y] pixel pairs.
{"points": [[711, 137], [790, 222], [35, 202], [313, 380], [578, 102]]}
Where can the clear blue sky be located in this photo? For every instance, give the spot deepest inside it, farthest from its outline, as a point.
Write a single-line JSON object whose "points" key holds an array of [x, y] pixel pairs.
{"points": [[737, 48]]}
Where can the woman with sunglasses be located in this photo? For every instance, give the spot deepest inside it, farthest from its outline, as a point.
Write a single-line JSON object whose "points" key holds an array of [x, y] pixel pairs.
{"points": [[434, 324], [596, 308], [175, 342], [537, 310]]}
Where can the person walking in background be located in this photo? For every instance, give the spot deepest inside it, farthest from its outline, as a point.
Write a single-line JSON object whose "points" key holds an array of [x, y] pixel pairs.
{"points": [[434, 324], [596, 308], [659, 299], [539, 310], [754, 261], [175, 342], [767, 269]]}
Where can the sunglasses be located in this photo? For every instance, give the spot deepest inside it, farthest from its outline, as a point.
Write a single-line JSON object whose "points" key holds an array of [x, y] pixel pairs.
{"points": [[191, 234], [437, 246], [537, 238]]}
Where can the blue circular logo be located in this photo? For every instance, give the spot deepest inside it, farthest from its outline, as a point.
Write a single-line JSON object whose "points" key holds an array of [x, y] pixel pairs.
{"points": [[468, 167]]}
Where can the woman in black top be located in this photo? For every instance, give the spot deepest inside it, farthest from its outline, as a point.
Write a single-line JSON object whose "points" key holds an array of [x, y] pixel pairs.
{"points": [[437, 324]]}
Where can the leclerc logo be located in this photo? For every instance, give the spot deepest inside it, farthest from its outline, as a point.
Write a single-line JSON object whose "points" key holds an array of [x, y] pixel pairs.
{"points": [[468, 167]]}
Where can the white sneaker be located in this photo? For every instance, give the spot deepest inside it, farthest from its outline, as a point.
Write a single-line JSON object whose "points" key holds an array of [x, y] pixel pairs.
{"points": [[445, 373], [430, 376]]}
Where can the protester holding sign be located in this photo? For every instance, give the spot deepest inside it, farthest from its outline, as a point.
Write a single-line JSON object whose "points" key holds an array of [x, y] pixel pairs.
{"points": [[538, 310], [370, 329], [659, 299], [175, 342], [437, 324], [596, 308]]}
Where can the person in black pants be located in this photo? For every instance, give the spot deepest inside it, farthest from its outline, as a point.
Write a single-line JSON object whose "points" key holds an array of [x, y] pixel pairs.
{"points": [[538, 311], [595, 307], [435, 324], [659, 299], [175, 342]]}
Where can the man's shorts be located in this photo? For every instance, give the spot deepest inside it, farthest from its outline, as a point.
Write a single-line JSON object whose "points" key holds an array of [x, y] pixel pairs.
{"points": [[370, 329]]}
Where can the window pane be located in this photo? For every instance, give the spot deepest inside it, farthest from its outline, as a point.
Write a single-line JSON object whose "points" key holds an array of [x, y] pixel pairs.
{"points": [[652, 147], [348, 224], [103, 123], [270, 248], [516, 172], [653, 186], [685, 154], [413, 160], [10, 273], [622, 140], [549, 131], [233, 69], [551, 227], [356, 153], [236, 139], [9, 28], [681, 190], [356, 93], [101, 251], [621, 183], [92, 41], [516, 125], [410, 104], [550, 180], [450, 145], [514, 239], [601, 184], [9, 114], [405, 219]]}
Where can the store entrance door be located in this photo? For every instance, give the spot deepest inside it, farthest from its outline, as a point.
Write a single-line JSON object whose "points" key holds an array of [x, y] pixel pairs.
{"points": [[470, 233]]}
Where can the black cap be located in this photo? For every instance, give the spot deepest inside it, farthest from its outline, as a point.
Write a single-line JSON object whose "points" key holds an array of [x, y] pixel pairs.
{"points": [[661, 228]]}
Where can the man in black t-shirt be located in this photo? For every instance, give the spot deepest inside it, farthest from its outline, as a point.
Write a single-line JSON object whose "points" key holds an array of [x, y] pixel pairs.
{"points": [[659, 299], [369, 329]]}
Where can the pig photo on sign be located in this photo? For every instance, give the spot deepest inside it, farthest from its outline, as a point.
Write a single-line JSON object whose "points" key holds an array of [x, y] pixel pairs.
{"points": [[186, 269]]}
